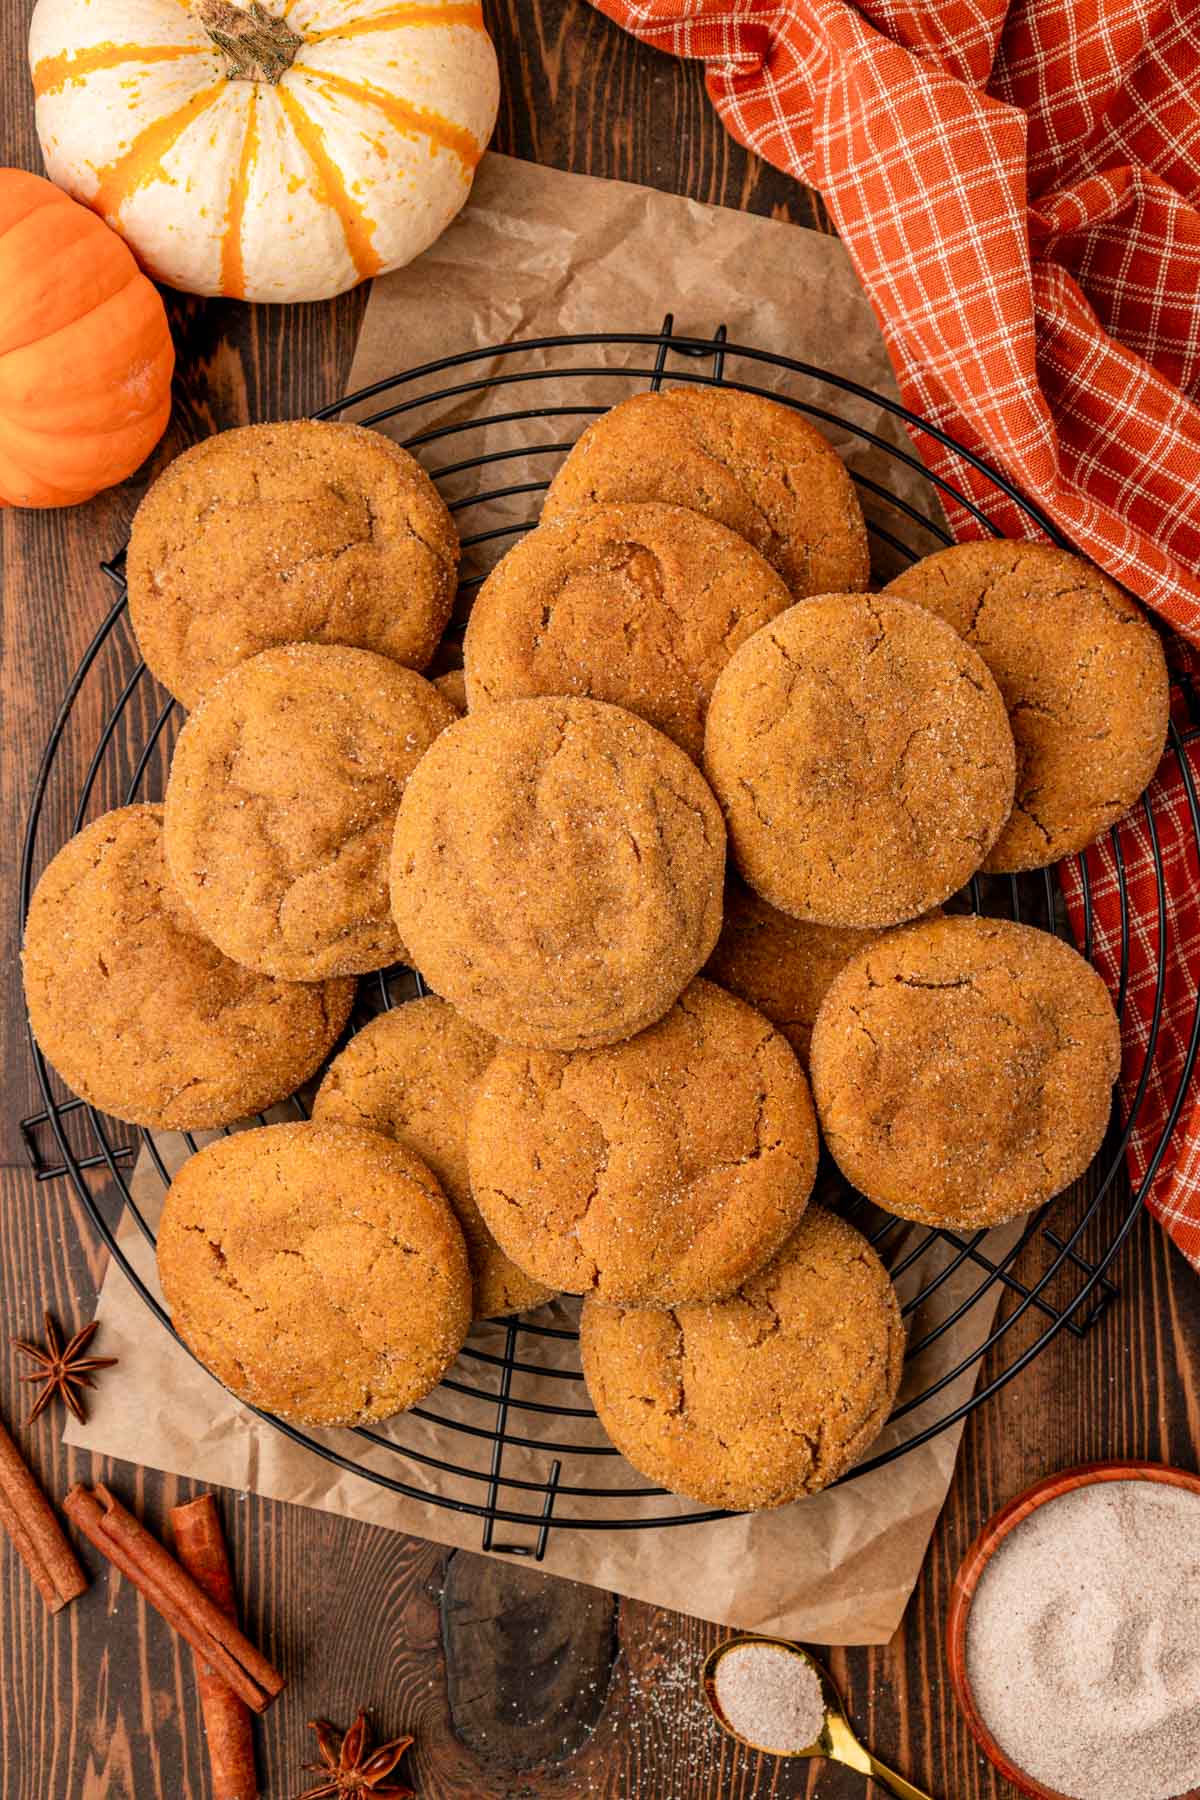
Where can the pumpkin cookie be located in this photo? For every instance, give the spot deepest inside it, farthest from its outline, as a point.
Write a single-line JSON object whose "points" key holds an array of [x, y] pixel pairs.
{"points": [[303, 532], [863, 757], [781, 965], [639, 605], [315, 1270], [557, 871], [281, 804], [1083, 676], [411, 1075], [748, 462], [142, 1016], [963, 1069], [762, 1398], [452, 686], [662, 1170]]}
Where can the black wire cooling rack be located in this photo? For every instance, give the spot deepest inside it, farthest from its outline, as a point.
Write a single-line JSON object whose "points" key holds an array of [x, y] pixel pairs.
{"points": [[489, 1442]]}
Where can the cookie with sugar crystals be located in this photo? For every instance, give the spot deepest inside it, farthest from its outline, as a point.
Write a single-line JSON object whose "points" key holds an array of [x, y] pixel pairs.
{"points": [[963, 1069], [863, 758], [655, 1172], [744, 460], [300, 532], [138, 1012], [762, 1398], [639, 605], [316, 1270], [1083, 676], [282, 801], [557, 871]]}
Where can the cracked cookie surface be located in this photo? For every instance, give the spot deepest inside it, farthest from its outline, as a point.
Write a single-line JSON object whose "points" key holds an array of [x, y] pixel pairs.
{"points": [[1083, 676], [557, 871], [657, 1171], [750, 463], [139, 1013], [781, 965], [302, 532], [639, 605], [764, 1397], [963, 1069], [863, 758], [316, 1270], [411, 1075], [281, 803]]}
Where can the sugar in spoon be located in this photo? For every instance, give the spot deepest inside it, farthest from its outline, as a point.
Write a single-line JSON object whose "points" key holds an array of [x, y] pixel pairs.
{"points": [[835, 1740]]}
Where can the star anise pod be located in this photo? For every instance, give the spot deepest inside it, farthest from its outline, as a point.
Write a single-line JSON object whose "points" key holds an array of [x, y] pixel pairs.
{"points": [[350, 1766], [63, 1371]]}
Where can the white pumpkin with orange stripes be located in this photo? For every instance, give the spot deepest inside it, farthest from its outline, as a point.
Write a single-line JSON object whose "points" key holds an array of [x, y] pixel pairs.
{"points": [[268, 152]]}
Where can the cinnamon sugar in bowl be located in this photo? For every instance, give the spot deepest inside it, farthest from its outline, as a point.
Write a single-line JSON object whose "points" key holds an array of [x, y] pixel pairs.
{"points": [[1073, 1635]]}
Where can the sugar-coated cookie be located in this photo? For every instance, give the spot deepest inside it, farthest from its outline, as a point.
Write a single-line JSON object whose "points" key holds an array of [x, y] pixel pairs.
{"points": [[963, 1069], [746, 461], [557, 871], [1083, 675], [863, 758], [301, 532], [138, 1012], [639, 605], [317, 1270], [764, 1397], [282, 801], [655, 1172]]}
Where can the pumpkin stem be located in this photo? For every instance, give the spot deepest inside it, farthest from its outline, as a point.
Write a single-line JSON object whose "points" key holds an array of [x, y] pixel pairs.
{"points": [[259, 44]]}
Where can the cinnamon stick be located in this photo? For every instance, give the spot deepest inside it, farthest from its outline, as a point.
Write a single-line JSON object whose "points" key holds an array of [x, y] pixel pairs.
{"points": [[171, 1591], [37, 1536], [200, 1546]]}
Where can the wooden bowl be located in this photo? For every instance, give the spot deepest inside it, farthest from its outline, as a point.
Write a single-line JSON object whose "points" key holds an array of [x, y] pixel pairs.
{"points": [[1053, 1487]]}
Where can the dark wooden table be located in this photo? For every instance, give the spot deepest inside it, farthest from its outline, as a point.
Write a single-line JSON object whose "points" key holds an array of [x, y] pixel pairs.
{"points": [[100, 1703]]}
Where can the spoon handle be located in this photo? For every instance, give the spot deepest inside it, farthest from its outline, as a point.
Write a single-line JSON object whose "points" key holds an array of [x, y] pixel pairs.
{"points": [[893, 1783]]}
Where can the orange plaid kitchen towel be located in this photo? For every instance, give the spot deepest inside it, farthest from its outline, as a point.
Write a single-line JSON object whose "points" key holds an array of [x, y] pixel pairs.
{"points": [[1018, 184], [1134, 902]]}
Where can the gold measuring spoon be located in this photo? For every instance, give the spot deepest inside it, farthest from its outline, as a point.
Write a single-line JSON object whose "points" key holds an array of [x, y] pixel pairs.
{"points": [[836, 1740]]}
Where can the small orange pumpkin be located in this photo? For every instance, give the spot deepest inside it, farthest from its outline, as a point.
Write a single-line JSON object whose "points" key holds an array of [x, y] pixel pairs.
{"points": [[85, 350]]}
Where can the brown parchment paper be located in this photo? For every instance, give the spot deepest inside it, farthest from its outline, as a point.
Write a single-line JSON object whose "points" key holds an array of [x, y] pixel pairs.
{"points": [[539, 253]]}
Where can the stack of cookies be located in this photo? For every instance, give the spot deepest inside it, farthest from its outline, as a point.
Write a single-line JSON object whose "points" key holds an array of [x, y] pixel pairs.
{"points": [[680, 831]]}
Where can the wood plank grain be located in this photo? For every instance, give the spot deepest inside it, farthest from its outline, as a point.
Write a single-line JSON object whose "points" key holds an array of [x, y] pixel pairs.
{"points": [[529, 1659]]}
